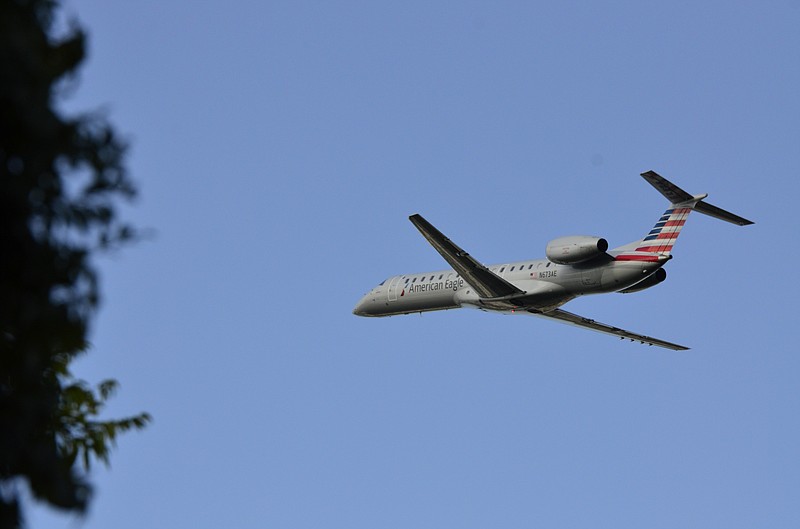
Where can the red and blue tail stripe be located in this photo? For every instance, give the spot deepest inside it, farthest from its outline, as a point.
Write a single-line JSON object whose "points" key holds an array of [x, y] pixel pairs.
{"points": [[662, 237], [657, 245]]}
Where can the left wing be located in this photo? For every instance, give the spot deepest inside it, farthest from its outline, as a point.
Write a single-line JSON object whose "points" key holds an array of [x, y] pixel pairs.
{"points": [[580, 321], [486, 283]]}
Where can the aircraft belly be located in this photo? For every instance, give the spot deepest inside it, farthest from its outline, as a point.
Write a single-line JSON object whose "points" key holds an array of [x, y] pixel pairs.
{"points": [[609, 277], [541, 295], [572, 281]]}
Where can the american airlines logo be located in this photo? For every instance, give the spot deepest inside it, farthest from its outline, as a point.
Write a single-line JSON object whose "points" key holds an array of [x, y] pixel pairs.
{"points": [[439, 285]]}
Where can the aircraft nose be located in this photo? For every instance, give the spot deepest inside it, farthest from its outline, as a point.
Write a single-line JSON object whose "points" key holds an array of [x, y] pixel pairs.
{"points": [[361, 307], [359, 310]]}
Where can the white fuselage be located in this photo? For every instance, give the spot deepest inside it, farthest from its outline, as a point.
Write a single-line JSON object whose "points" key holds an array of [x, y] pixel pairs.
{"points": [[548, 284]]}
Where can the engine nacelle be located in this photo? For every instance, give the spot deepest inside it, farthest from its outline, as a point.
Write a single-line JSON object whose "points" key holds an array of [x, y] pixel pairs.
{"points": [[652, 280], [575, 249]]}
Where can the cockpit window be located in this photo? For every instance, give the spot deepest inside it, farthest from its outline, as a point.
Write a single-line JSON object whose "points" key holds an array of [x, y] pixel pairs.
{"points": [[382, 282]]}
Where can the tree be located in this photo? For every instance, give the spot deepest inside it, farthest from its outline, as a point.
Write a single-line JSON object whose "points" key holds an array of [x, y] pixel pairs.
{"points": [[60, 179]]}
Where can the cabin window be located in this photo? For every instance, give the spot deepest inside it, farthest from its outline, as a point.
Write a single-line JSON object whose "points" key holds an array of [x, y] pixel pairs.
{"points": [[440, 277], [547, 265], [414, 280], [530, 266], [406, 281], [502, 269], [512, 269]]}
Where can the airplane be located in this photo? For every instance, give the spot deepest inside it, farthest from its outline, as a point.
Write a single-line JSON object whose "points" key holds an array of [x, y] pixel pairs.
{"points": [[574, 266]]}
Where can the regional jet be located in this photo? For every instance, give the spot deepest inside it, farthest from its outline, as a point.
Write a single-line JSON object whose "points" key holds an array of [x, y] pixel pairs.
{"points": [[574, 266]]}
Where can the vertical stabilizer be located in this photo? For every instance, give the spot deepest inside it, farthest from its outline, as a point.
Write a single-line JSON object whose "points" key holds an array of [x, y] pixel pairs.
{"points": [[662, 237]]}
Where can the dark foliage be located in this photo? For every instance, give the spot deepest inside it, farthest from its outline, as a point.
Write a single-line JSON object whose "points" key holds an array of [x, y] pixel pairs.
{"points": [[59, 180]]}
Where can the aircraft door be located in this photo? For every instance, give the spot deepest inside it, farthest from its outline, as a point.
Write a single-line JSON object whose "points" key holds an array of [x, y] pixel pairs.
{"points": [[391, 291]]}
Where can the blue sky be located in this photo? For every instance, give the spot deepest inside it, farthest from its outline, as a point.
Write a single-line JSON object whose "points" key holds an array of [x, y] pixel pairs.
{"points": [[280, 147]]}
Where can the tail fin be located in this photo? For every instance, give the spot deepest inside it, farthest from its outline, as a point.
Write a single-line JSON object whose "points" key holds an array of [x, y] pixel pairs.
{"points": [[662, 237]]}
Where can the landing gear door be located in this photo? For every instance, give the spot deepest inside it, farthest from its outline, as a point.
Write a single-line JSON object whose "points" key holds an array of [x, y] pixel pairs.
{"points": [[394, 285]]}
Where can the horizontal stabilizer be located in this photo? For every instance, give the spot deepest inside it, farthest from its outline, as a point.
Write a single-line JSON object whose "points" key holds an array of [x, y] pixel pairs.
{"points": [[678, 196], [673, 193], [719, 213]]}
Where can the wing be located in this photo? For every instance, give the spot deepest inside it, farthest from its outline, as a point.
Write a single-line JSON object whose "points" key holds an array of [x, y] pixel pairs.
{"points": [[580, 321], [486, 283]]}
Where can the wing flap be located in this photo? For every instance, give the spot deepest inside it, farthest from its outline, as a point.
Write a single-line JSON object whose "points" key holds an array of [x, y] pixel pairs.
{"points": [[573, 319], [486, 283]]}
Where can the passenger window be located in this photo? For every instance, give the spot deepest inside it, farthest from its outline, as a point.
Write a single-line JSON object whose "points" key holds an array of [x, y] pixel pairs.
{"points": [[440, 277], [502, 269], [530, 266], [406, 281], [414, 280], [512, 269], [547, 265]]}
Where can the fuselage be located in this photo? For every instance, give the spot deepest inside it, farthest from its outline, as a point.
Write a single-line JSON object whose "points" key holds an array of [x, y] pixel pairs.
{"points": [[547, 285], [575, 265]]}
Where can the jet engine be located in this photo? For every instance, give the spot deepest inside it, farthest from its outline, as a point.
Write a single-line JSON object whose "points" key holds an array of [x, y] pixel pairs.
{"points": [[575, 249], [650, 281]]}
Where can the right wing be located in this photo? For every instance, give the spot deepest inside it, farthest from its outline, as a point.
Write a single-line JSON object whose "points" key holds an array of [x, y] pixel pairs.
{"points": [[485, 282], [573, 319]]}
